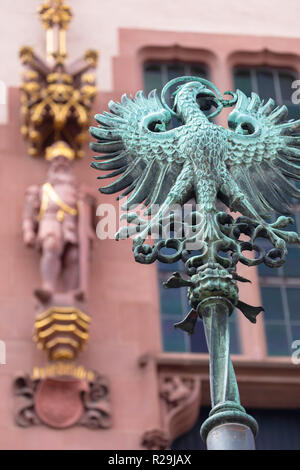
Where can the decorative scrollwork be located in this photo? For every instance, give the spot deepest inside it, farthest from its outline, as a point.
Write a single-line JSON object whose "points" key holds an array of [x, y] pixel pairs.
{"points": [[230, 242]]}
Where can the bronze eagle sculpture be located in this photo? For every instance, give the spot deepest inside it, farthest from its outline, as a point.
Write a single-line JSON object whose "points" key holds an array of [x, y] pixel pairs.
{"points": [[248, 166]]}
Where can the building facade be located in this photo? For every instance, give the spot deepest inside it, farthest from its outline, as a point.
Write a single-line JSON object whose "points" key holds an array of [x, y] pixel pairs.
{"points": [[158, 378]]}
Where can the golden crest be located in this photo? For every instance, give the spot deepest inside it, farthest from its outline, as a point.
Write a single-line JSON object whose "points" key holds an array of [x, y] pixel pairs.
{"points": [[54, 12]]}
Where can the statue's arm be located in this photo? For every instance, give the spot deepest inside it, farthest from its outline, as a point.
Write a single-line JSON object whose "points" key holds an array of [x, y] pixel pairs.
{"points": [[30, 215]]}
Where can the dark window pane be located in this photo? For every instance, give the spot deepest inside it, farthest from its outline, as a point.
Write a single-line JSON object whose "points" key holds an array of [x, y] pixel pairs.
{"points": [[278, 429], [291, 267], [198, 341], [286, 79], [272, 303], [163, 267], [296, 335], [175, 70], [152, 78], [277, 340], [173, 339], [198, 71], [265, 83], [264, 271], [177, 266], [191, 440], [265, 246], [294, 111], [242, 81], [293, 296], [170, 301]]}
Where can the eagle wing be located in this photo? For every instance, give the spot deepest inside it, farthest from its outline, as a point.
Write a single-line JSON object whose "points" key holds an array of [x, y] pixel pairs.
{"points": [[143, 155], [263, 153]]}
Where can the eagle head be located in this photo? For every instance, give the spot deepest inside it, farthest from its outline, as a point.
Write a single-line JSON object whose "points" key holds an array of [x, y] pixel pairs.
{"points": [[193, 96]]}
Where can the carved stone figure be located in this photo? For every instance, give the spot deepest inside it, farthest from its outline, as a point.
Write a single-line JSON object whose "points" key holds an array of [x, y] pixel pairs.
{"points": [[51, 223]]}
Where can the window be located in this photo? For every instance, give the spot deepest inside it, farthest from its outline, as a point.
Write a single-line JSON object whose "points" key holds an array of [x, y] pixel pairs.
{"points": [[174, 303], [268, 82], [280, 287]]}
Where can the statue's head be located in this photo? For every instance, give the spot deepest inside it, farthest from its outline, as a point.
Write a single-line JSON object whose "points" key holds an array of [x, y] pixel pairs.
{"points": [[60, 155]]}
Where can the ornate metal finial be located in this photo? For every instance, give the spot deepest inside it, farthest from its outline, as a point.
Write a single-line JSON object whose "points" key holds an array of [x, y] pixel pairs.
{"points": [[247, 167], [55, 13], [55, 17]]}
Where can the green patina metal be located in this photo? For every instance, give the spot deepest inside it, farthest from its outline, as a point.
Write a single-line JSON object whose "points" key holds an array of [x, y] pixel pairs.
{"points": [[248, 167]]}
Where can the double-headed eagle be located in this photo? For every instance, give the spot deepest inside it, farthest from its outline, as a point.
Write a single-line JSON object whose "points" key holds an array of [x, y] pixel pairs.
{"points": [[248, 166]]}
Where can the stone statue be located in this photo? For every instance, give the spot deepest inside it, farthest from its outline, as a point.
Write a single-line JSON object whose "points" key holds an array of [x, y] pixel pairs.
{"points": [[51, 223]]}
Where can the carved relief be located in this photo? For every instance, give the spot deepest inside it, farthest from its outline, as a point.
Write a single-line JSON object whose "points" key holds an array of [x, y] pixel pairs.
{"points": [[24, 389], [63, 401], [180, 396], [180, 402]]}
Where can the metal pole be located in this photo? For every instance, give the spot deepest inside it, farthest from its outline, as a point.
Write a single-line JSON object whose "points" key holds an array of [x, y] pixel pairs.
{"points": [[228, 427]]}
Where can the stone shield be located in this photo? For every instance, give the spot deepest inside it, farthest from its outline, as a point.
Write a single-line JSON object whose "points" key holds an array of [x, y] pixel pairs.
{"points": [[58, 401]]}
